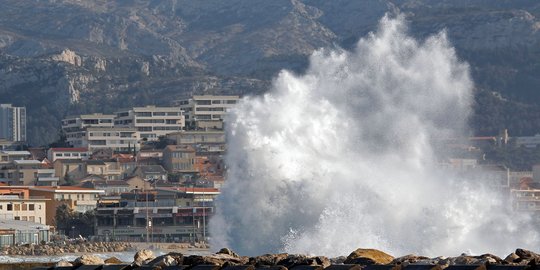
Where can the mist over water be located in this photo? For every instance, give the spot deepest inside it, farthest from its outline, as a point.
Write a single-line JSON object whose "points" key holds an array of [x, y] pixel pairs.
{"points": [[343, 157]]}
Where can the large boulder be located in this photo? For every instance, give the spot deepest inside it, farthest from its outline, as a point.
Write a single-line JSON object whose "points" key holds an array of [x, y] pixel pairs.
{"points": [[143, 256], [170, 259], [215, 259], [88, 260], [512, 258], [63, 263], [368, 257], [113, 260], [267, 259], [409, 259], [527, 255], [296, 260], [227, 251]]}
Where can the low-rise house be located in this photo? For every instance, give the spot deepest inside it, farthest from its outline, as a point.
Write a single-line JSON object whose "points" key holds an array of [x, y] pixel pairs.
{"points": [[7, 156], [150, 172], [78, 199], [137, 183], [179, 159], [68, 153], [70, 170], [18, 232], [111, 187], [103, 154], [28, 173]]}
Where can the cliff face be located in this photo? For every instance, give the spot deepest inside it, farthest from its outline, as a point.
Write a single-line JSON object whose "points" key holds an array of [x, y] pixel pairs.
{"points": [[59, 57]]}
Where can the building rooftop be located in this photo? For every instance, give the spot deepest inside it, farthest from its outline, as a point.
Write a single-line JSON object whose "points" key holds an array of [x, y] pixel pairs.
{"points": [[66, 189], [185, 148], [191, 190], [69, 161], [67, 149], [27, 162], [152, 169], [94, 162], [21, 225], [19, 153]]}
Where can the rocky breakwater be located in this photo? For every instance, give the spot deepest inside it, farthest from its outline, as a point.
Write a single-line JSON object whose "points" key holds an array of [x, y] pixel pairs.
{"points": [[360, 259], [63, 248]]}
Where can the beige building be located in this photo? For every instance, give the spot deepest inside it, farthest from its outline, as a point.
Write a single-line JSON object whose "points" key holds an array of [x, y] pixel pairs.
{"points": [[116, 138], [27, 173], [74, 169], [179, 159], [76, 198], [197, 137], [68, 153], [207, 111], [74, 127], [151, 122], [13, 207], [9, 156]]}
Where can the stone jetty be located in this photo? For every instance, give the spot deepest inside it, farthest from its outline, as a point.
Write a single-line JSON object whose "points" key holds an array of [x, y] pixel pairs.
{"points": [[62, 248], [360, 259]]}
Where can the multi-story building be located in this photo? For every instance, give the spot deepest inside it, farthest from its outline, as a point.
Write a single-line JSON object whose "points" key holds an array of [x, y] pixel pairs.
{"points": [[179, 159], [28, 173], [116, 138], [68, 153], [13, 207], [207, 111], [12, 123], [76, 198], [9, 156], [164, 215], [197, 137], [74, 127], [151, 122]]}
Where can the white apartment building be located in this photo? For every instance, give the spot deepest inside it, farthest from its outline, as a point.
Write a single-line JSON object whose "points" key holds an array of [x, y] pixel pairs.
{"points": [[207, 111], [74, 127], [116, 138], [68, 153], [151, 122], [12, 123]]}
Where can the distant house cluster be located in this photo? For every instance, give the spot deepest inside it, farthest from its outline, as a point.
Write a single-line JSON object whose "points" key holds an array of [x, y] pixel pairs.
{"points": [[149, 173]]}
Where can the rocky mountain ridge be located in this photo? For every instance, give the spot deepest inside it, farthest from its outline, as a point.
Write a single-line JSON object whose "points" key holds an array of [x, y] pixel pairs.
{"points": [[60, 57]]}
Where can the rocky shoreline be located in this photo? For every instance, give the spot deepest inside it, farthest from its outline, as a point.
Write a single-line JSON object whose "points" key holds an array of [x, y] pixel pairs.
{"points": [[62, 248], [360, 259]]}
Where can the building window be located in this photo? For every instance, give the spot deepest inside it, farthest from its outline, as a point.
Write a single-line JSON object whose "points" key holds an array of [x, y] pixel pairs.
{"points": [[31, 207], [10, 207], [17, 218], [17, 207], [24, 207]]}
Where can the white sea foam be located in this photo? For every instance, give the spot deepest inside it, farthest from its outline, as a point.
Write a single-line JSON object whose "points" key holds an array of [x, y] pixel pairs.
{"points": [[342, 157]]}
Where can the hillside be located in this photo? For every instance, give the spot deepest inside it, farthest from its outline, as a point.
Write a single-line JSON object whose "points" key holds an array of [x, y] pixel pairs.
{"points": [[60, 57]]}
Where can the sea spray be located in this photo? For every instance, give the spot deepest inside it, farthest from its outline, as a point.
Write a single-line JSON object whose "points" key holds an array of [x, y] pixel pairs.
{"points": [[343, 157]]}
